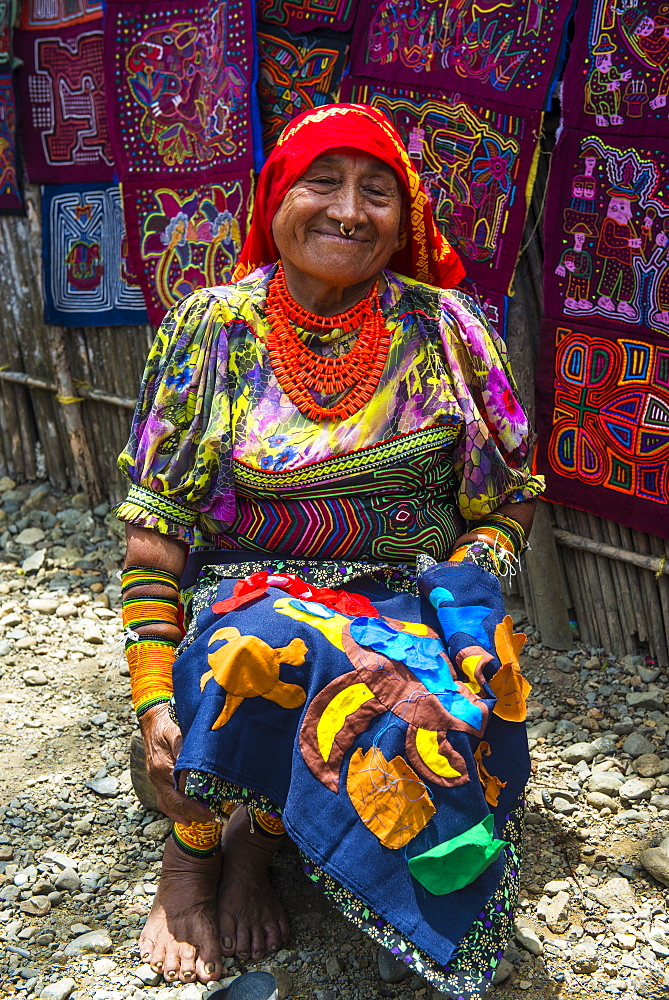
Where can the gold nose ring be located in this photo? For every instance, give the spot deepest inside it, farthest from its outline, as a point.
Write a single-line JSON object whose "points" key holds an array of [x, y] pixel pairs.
{"points": [[346, 232]]}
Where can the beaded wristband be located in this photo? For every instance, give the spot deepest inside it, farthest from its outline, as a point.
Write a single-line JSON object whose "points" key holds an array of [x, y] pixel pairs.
{"points": [[504, 526], [200, 840], [139, 611], [150, 659], [480, 553]]}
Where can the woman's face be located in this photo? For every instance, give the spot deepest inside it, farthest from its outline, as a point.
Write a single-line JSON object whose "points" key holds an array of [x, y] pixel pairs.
{"points": [[342, 186]]}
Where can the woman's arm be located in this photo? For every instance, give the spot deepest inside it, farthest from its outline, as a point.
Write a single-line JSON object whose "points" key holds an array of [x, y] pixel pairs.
{"points": [[521, 512], [162, 738]]}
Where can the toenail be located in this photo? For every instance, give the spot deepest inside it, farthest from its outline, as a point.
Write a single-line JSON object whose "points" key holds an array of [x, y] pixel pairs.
{"points": [[210, 967], [227, 942]]}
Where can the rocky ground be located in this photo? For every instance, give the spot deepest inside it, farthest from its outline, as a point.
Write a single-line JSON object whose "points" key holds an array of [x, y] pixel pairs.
{"points": [[80, 857]]}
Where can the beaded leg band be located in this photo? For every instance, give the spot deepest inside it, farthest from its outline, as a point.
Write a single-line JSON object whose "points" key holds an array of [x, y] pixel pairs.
{"points": [[267, 824], [199, 840]]}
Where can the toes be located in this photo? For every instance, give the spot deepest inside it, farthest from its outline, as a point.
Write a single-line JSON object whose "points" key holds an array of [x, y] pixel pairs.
{"points": [[273, 938], [172, 963], [228, 933], [207, 969], [243, 945], [187, 956], [153, 954], [284, 929], [258, 943]]}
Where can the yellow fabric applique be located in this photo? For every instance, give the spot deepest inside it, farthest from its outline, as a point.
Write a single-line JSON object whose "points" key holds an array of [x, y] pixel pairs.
{"points": [[247, 667], [331, 628], [389, 797], [427, 746], [334, 717], [508, 684]]}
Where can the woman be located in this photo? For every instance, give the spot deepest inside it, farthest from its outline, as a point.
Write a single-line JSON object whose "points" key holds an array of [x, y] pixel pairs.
{"points": [[325, 424]]}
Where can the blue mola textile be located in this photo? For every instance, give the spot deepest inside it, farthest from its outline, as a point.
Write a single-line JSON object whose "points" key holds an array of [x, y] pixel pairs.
{"points": [[376, 736]]}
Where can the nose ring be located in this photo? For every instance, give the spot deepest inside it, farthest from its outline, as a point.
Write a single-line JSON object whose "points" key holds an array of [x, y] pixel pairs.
{"points": [[346, 232]]}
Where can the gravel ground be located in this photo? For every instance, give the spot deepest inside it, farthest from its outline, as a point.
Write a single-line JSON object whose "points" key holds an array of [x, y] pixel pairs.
{"points": [[80, 857]]}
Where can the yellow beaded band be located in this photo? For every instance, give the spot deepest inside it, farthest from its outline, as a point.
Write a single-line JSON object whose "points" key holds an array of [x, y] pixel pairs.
{"points": [[146, 576], [139, 611], [200, 840], [269, 824], [150, 660]]}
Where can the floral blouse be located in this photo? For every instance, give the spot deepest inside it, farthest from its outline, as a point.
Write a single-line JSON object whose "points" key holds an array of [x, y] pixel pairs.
{"points": [[217, 446]]}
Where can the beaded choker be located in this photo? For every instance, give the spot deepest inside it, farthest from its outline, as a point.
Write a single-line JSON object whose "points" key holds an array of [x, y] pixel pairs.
{"points": [[299, 369]]}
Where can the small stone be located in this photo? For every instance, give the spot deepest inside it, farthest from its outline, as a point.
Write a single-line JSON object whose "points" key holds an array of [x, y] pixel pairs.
{"points": [[55, 897], [555, 912], [653, 986], [636, 745], [92, 943], [6, 852], [523, 984], [77, 929], [158, 830], [37, 906], [616, 894], [333, 965], [578, 752], [637, 789], [66, 610], [584, 957], [33, 562], [146, 975], [543, 728], [99, 719], [649, 674], [68, 880], [646, 701], [564, 664], [660, 801], [43, 605], [82, 826], [249, 986], [656, 863], [605, 782], [502, 972], [191, 992], [528, 939], [103, 966], [648, 765], [600, 801], [391, 967], [557, 885], [107, 787], [330, 994], [59, 990], [60, 860], [35, 678], [563, 806], [30, 536]]}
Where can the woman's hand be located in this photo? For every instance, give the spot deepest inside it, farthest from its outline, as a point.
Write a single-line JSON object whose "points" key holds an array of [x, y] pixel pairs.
{"points": [[162, 743]]}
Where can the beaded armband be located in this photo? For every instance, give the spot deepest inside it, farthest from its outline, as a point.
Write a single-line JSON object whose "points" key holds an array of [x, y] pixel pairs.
{"points": [[150, 657]]}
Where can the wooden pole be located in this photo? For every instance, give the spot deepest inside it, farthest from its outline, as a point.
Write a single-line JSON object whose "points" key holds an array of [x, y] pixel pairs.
{"points": [[658, 564]]}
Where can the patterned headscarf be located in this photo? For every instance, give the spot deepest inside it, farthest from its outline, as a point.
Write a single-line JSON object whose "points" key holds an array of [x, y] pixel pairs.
{"points": [[424, 254]]}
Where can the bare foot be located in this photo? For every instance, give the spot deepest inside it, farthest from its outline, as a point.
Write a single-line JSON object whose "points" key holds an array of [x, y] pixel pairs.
{"points": [[180, 937], [250, 918]]}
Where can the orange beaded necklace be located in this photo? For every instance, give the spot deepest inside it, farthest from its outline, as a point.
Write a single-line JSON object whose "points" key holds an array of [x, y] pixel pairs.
{"points": [[299, 369]]}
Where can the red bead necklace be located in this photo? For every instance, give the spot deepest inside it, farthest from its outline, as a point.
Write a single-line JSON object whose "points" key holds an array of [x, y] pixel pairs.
{"points": [[299, 369]]}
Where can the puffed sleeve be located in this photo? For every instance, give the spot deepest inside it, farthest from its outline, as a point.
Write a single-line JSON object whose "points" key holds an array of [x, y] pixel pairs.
{"points": [[178, 456], [491, 456]]}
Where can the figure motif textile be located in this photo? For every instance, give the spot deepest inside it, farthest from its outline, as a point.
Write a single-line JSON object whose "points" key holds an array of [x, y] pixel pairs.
{"points": [[88, 280], [618, 74], [296, 73], [307, 15], [7, 13], [476, 164], [178, 80], [61, 87], [185, 237], [607, 211], [37, 14], [509, 52], [10, 196], [603, 421]]}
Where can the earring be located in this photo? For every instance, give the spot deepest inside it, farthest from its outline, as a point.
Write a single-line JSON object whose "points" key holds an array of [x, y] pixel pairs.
{"points": [[346, 232]]}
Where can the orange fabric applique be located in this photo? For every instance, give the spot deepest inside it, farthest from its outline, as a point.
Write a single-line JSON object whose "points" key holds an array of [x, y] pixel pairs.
{"points": [[508, 684], [389, 797], [492, 786]]}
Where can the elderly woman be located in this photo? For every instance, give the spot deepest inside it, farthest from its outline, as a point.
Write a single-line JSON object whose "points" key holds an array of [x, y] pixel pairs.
{"points": [[337, 438]]}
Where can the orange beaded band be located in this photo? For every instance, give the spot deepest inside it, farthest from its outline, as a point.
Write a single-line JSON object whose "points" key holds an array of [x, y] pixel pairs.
{"points": [[269, 824], [150, 660], [199, 839]]}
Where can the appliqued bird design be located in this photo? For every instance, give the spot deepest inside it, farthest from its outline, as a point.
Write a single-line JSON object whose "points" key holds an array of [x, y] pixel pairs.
{"points": [[247, 667]]}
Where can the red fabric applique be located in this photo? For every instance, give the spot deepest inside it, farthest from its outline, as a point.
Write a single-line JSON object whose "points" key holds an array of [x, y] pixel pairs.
{"points": [[257, 584]]}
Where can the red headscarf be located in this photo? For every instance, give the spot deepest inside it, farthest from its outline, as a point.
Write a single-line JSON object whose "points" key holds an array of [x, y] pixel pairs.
{"points": [[424, 253]]}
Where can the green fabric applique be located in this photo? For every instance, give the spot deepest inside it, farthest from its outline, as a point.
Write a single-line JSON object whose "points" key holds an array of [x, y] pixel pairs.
{"points": [[458, 861]]}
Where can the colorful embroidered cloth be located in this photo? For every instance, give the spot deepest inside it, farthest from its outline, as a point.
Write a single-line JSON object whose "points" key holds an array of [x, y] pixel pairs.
{"points": [[7, 13], [88, 280], [394, 747], [36, 14], [214, 441], [508, 52], [603, 422], [179, 84], [62, 92], [607, 213], [10, 195], [295, 73], [494, 305], [617, 78], [477, 165], [305, 15], [183, 237]]}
